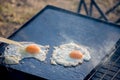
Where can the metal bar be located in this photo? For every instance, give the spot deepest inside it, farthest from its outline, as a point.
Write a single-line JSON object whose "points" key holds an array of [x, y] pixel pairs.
{"points": [[117, 71], [111, 9], [109, 69], [99, 10], [91, 8], [85, 7], [80, 6], [113, 64], [115, 75], [82, 2]]}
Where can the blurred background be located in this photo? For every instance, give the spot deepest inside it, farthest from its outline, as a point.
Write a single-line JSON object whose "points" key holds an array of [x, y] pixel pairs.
{"points": [[14, 13]]}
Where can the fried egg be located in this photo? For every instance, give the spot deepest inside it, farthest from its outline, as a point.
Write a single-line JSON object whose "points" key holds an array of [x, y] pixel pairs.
{"points": [[13, 53], [70, 54]]}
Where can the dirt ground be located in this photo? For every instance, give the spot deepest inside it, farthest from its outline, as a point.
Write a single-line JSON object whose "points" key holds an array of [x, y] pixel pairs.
{"points": [[14, 13]]}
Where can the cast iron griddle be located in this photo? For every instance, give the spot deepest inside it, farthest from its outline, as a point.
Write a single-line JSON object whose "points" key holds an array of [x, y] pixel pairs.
{"points": [[54, 26]]}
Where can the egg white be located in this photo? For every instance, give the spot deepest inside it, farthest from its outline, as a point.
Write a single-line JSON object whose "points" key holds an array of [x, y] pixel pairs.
{"points": [[61, 54], [13, 53]]}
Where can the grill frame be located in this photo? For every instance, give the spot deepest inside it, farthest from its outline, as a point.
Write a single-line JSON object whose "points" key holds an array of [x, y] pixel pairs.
{"points": [[107, 69]]}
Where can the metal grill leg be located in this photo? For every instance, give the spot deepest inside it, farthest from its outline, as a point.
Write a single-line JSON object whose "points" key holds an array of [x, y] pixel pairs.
{"points": [[82, 2], [89, 11]]}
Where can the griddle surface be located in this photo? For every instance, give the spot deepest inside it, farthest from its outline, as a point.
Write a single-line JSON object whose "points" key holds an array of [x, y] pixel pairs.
{"points": [[54, 26]]}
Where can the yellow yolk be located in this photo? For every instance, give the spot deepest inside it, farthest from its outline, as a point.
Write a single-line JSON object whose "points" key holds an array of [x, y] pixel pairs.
{"points": [[76, 54], [32, 49]]}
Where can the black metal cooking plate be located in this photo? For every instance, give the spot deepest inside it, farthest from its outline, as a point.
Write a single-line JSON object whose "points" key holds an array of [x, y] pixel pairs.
{"points": [[54, 26]]}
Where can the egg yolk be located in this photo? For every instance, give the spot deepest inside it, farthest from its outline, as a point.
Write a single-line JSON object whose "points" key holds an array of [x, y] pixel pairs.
{"points": [[32, 49], [76, 54]]}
